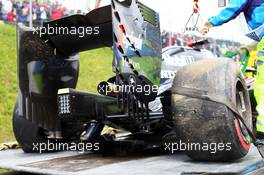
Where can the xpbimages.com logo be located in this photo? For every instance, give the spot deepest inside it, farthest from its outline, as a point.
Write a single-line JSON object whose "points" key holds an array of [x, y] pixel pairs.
{"points": [[61, 146], [116, 88], [60, 30], [190, 146]]}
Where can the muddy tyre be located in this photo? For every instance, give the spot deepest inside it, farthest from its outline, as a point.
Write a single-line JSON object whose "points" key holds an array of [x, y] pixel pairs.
{"points": [[209, 130]]}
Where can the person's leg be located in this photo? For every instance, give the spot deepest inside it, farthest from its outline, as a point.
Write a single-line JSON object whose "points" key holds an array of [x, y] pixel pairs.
{"points": [[259, 89]]}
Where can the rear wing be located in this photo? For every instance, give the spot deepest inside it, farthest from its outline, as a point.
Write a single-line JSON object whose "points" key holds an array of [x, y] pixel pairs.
{"points": [[137, 41], [48, 60], [80, 32]]}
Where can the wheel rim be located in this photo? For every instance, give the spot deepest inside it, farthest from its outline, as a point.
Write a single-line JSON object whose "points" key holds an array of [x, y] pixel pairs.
{"points": [[241, 104]]}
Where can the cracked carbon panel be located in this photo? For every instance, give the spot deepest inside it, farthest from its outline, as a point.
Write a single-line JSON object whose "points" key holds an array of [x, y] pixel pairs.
{"points": [[137, 44]]}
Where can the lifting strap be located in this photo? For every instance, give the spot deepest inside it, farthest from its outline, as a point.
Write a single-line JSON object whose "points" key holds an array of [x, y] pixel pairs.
{"points": [[196, 7], [11, 145], [199, 94], [98, 3], [195, 16]]}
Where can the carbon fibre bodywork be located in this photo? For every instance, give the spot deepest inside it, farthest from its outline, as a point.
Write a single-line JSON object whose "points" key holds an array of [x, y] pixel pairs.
{"points": [[49, 62], [207, 90], [40, 74], [137, 47]]}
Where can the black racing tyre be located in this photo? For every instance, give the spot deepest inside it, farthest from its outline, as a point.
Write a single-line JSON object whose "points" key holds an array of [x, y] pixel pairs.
{"points": [[26, 133], [208, 130]]}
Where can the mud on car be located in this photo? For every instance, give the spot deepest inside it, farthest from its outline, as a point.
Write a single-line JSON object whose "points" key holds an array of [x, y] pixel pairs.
{"points": [[197, 100]]}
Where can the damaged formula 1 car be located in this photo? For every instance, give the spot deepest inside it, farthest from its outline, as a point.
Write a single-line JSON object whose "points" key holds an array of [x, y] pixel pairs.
{"points": [[197, 106]]}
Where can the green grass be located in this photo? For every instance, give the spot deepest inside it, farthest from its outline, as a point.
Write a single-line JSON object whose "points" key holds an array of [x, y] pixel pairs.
{"points": [[8, 80], [3, 171], [95, 66]]}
